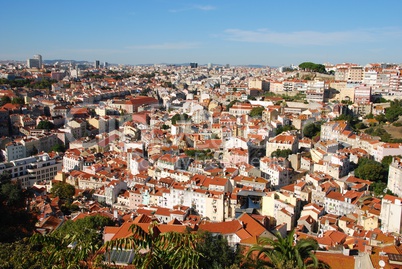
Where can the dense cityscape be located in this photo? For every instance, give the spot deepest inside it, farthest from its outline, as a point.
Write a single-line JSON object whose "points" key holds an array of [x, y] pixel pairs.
{"points": [[235, 155]]}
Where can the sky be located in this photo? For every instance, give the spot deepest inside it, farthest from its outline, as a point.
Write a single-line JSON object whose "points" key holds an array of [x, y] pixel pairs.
{"points": [[265, 32]]}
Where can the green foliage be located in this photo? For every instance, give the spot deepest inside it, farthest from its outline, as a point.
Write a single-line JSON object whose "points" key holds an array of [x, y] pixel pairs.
{"points": [[270, 94], [58, 148], [5, 100], [15, 222], [313, 67], [165, 127], [44, 124], [379, 131], [165, 250], [311, 129], [199, 154], [380, 100], [63, 190], [281, 153], [370, 116], [144, 92], [386, 161], [381, 118], [378, 188], [148, 75], [43, 84], [215, 252], [282, 253], [394, 111], [370, 170], [285, 128], [73, 245], [20, 254], [256, 111], [180, 117], [360, 125], [350, 119], [18, 100], [231, 104]]}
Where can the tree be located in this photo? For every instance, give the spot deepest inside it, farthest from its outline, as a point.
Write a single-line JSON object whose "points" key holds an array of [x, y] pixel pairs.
{"points": [[63, 190], [285, 128], [256, 111], [370, 170], [165, 127], [5, 100], [21, 254], [394, 111], [74, 244], [159, 250], [231, 104], [18, 100], [282, 253], [216, 252], [313, 67], [58, 148], [16, 221], [378, 188], [284, 153], [178, 117], [311, 130], [44, 124]]}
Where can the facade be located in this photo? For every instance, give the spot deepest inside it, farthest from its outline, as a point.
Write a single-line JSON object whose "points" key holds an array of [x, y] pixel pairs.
{"points": [[283, 207], [332, 130], [391, 214], [341, 204], [276, 171], [72, 160], [282, 141], [31, 170], [14, 151], [395, 176], [362, 94]]}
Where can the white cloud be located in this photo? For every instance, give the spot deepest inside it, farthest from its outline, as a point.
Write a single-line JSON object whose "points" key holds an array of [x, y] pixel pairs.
{"points": [[313, 37], [194, 7], [206, 8], [166, 46]]}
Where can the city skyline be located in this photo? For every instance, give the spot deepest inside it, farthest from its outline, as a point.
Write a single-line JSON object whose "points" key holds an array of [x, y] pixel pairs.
{"points": [[223, 32]]}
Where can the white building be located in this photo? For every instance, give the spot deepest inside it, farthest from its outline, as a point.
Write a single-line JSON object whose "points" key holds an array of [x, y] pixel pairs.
{"points": [[14, 151], [395, 176], [391, 214], [28, 171], [276, 170], [342, 204], [72, 160], [283, 141]]}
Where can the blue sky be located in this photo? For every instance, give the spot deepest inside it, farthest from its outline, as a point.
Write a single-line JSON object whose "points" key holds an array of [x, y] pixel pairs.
{"points": [[236, 32]]}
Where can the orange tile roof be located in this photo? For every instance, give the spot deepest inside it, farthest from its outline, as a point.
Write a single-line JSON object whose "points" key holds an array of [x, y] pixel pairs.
{"points": [[228, 227]]}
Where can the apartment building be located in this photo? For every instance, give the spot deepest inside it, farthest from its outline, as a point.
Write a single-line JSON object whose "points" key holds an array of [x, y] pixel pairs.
{"points": [[14, 151], [31, 170], [283, 141], [391, 214], [342, 204], [333, 129], [395, 176]]}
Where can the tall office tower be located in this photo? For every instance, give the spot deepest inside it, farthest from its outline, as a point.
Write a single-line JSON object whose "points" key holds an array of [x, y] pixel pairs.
{"points": [[33, 63], [97, 64], [39, 58], [209, 65], [193, 65], [105, 64]]}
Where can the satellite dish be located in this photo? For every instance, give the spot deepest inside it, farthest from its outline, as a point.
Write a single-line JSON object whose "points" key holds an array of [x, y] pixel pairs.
{"points": [[381, 263]]}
